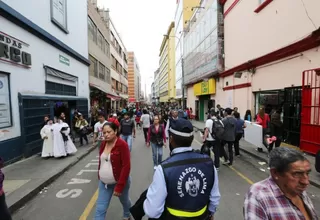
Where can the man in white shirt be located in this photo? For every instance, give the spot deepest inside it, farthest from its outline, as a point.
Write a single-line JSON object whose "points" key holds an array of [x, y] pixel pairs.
{"points": [[145, 120], [98, 135], [210, 139]]}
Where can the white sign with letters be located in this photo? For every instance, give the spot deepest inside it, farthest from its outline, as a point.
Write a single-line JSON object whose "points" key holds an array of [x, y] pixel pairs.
{"points": [[59, 13], [5, 110]]}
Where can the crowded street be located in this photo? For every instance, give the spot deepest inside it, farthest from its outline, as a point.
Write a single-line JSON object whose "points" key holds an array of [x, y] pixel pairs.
{"points": [[175, 110], [73, 195]]}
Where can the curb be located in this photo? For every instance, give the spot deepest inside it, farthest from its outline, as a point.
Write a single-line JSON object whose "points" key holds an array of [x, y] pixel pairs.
{"points": [[20, 203], [315, 184]]}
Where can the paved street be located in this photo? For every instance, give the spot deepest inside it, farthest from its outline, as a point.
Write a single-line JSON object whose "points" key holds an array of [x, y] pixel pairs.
{"points": [[73, 195]]}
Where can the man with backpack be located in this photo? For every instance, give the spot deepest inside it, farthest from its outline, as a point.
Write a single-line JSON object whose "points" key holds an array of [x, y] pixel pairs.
{"points": [[213, 134]]}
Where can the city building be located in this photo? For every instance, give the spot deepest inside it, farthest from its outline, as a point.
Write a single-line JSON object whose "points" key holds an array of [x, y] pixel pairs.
{"points": [[184, 11], [100, 58], [119, 68], [156, 86], [167, 66], [153, 93], [134, 78], [203, 56], [43, 69], [265, 64]]}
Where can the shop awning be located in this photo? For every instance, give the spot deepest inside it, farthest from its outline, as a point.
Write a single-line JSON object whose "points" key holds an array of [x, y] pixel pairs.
{"points": [[109, 94], [113, 97], [98, 87]]}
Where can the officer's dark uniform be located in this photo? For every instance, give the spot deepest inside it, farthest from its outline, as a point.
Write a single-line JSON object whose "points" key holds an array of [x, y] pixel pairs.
{"points": [[188, 199], [189, 178]]}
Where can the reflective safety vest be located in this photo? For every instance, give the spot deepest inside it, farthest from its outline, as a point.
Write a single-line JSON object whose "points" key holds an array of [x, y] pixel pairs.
{"points": [[189, 179]]}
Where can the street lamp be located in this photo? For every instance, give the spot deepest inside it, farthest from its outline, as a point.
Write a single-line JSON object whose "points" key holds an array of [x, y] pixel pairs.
{"points": [[182, 68]]}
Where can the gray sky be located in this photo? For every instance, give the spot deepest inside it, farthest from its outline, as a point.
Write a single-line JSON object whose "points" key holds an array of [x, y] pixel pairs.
{"points": [[141, 24]]}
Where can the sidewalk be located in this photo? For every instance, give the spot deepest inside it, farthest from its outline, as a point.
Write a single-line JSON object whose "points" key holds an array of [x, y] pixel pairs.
{"points": [[25, 178], [251, 150]]}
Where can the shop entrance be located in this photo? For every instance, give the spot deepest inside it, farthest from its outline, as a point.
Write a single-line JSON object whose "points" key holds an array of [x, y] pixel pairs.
{"points": [[291, 115], [34, 108], [204, 102], [67, 107], [289, 101], [310, 114]]}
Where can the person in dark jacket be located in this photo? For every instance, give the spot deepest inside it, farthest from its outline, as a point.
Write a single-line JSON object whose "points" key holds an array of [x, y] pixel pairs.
{"points": [[276, 129]]}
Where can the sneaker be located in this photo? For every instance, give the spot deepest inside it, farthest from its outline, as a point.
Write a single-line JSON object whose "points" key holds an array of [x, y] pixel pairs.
{"points": [[226, 162]]}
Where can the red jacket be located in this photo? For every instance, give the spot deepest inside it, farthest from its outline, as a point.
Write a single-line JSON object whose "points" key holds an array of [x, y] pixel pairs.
{"points": [[120, 160], [263, 121]]}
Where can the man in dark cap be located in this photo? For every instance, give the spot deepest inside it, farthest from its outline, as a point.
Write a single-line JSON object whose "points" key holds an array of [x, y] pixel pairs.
{"points": [[185, 186]]}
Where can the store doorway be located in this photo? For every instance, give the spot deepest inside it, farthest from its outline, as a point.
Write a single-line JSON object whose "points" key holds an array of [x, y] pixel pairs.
{"points": [[62, 107]]}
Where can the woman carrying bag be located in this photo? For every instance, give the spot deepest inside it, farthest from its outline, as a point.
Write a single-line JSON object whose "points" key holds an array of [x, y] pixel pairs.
{"points": [[82, 128], [157, 138]]}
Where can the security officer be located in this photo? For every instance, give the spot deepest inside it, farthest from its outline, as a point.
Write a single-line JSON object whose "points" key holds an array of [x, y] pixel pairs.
{"points": [[185, 186]]}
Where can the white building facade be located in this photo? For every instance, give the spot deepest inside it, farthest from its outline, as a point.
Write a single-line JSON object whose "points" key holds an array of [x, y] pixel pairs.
{"points": [[43, 69]]}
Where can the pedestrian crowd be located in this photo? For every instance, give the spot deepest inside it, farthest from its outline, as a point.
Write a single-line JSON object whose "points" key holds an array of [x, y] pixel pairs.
{"points": [[185, 185]]}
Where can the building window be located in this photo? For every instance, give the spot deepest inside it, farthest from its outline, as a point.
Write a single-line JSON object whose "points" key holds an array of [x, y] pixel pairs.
{"points": [[102, 74], [101, 41], [5, 101], [60, 89], [125, 73], [93, 67], [113, 62], [112, 38], [59, 14], [119, 68], [114, 84], [107, 51], [108, 76], [92, 30]]}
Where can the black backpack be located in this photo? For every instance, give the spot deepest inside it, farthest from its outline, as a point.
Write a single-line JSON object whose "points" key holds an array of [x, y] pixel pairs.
{"points": [[317, 165], [217, 129]]}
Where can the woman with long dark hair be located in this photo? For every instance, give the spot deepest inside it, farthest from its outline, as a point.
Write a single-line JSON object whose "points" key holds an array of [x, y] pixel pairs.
{"points": [[114, 171], [157, 138]]}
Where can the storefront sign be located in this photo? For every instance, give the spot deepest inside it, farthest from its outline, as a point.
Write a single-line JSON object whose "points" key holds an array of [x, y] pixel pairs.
{"points": [[205, 87], [64, 60], [12, 50]]}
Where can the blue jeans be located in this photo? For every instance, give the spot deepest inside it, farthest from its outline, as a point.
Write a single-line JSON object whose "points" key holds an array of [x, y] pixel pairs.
{"points": [[157, 151], [104, 198], [128, 139]]}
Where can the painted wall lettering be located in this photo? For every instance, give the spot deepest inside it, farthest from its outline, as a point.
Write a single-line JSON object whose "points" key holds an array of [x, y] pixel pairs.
{"points": [[78, 181], [73, 193], [11, 50]]}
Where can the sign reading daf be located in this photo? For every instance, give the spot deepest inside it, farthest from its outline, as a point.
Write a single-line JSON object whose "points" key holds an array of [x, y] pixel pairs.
{"points": [[11, 50]]}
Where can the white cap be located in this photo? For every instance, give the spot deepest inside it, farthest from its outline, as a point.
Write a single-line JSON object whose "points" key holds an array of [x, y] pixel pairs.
{"points": [[115, 115]]}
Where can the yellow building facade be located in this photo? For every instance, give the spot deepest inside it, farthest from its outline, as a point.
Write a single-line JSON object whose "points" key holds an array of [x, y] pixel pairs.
{"points": [[167, 76]]}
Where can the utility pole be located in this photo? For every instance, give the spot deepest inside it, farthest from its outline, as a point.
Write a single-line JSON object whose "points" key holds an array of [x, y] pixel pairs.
{"points": [[182, 73]]}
